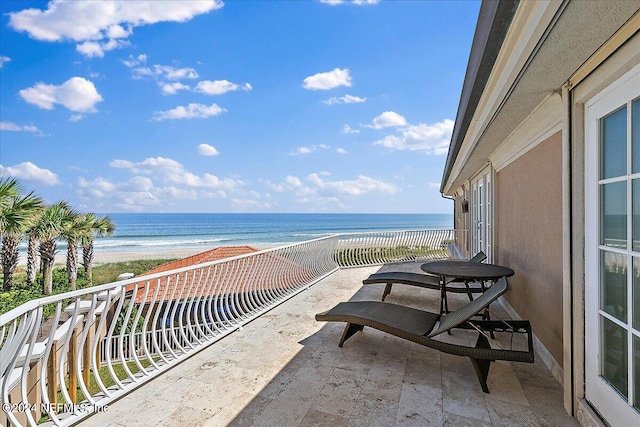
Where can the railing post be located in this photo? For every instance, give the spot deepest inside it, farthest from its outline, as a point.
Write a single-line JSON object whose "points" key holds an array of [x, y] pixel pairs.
{"points": [[33, 389], [86, 356], [52, 378], [71, 362]]}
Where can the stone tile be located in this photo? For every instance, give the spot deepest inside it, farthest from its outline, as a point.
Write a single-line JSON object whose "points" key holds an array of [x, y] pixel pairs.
{"points": [[248, 414], [454, 420], [461, 398], [373, 411], [185, 417], [504, 384], [547, 407], [536, 375], [339, 394], [420, 406], [508, 414], [320, 419], [155, 411], [423, 367]]}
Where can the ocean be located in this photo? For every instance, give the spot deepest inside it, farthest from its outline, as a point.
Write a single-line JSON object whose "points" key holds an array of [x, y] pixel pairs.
{"points": [[162, 232], [136, 232]]}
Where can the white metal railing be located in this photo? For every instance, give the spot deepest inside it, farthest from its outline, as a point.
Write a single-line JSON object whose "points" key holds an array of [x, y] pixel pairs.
{"points": [[360, 249], [102, 342]]}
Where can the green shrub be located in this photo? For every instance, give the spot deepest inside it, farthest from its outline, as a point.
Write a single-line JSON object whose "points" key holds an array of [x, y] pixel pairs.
{"points": [[105, 273]]}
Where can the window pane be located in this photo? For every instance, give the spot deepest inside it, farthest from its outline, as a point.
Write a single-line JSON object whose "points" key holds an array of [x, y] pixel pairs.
{"points": [[614, 144], [636, 294], [613, 287], [635, 134], [614, 215], [635, 206], [636, 371], [614, 355]]}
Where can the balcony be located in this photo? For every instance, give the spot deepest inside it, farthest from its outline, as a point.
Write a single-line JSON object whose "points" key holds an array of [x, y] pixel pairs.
{"points": [[242, 348]]}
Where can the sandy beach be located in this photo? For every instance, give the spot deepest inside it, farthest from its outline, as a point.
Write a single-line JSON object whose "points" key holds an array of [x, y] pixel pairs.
{"points": [[123, 256]]}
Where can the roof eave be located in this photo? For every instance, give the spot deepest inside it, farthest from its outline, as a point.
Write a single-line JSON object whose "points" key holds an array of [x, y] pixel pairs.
{"points": [[494, 20]]}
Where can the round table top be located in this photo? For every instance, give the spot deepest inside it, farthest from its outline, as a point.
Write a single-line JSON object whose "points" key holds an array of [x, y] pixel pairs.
{"points": [[466, 269]]}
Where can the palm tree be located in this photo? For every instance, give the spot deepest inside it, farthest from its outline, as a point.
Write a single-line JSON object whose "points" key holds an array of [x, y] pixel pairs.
{"points": [[32, 256], [50, 226], [9, 188], [100, 227], [73, 228], [17, 214]]}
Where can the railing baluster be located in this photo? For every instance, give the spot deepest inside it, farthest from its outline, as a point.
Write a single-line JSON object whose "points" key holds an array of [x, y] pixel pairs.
{"points": [[147, 325]]}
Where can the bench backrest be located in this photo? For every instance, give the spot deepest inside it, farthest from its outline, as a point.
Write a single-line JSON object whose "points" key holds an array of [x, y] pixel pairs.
{"points": [[461, 315]]}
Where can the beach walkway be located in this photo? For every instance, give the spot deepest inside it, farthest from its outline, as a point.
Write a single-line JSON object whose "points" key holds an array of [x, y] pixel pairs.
{"points": [[286, 369]]}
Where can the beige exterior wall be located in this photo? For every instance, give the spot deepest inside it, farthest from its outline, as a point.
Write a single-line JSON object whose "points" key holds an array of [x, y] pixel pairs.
{"points": [[529, 238]]}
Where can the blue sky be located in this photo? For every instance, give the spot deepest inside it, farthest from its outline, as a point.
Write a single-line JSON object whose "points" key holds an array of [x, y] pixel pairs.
{"points": [[242, 106]]}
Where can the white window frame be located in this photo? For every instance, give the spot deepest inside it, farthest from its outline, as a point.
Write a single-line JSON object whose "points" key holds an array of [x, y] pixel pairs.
{"points": [[482, 213], [613, 407]]}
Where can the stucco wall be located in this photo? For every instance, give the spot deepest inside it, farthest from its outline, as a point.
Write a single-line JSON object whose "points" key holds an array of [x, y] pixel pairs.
{"points": [[529, 237]]}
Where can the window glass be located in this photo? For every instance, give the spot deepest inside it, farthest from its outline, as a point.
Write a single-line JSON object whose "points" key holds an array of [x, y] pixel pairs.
{"points": [[614, 144], [613, 285], [614, 215], [636, 294], [614, 356], [635, 206], [636, 371], [635, 134]]}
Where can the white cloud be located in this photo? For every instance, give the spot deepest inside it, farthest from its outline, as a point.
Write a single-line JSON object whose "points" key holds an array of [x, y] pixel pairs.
{"points": [[341, 151], [251, 204], [191, 111], [30, 172], [173, 88], [387, 119], [321, 192], [328, 80], [218, 87], [155, 181], [308, 150], [135, 61], [207, 150], [434, 185], [92, 49], [347, 99], [76, 117], [172, 172], [4, 59], [362, 185], [301, 150], [432, 139], [126, 196], [172, 73], [12, 127], [98, 187], [105, 23], [347, 129], [163, 72], [76, 94]]}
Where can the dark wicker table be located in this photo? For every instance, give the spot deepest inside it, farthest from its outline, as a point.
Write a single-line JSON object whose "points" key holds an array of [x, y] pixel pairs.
{"points": [[465, 271]]}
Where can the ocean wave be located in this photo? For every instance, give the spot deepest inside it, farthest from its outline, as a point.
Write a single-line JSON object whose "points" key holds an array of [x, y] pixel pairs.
{"points": [[103, 244]]}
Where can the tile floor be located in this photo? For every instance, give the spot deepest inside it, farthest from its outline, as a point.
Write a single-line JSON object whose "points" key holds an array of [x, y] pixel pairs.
{"points": [[285, 369]]}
